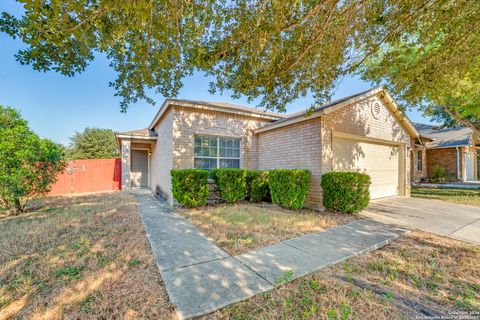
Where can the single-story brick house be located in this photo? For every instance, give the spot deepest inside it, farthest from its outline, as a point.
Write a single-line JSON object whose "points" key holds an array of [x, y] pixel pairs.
{"points": [[365, 132], [456, 149]]}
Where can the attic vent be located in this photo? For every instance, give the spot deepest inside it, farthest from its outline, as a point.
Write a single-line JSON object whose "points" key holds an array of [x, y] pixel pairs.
{"points": [[376, 110]]}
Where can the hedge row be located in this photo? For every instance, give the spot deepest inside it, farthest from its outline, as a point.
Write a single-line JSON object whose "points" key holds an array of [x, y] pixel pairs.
{"points": [[287, 188]]}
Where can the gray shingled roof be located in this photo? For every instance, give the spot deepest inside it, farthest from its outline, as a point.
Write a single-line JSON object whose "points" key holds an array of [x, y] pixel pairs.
{"points": [[447, 137]]}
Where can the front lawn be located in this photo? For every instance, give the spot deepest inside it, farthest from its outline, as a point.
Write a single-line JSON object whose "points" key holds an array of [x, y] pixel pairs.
{"points": [[79, 257], [242, 227], [468, 197], [418, 275]]}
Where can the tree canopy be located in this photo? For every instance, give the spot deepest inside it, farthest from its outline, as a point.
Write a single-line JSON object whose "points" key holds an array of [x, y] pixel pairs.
{"points": [[278, 50], [28, 164], [92, 143]]}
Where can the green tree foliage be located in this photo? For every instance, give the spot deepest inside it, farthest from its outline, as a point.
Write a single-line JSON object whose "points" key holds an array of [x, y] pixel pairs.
{"points": [[28, 164], [93, 143], [277, 50]]}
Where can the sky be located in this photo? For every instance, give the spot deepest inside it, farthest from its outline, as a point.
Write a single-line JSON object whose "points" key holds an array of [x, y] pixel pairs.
{"points": [[57, 106]]}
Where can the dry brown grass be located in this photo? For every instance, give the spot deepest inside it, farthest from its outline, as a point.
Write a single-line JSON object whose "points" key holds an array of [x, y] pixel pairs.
{"points": [[417, 274], [242, 227], [79, 257]]}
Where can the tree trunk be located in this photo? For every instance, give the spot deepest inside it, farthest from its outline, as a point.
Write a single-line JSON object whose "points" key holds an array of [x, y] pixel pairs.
{"points": [[17, 207], [464, 122]]}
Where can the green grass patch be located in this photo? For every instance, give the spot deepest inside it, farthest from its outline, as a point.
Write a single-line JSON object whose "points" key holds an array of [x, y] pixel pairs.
{"points": [[460, 196]]}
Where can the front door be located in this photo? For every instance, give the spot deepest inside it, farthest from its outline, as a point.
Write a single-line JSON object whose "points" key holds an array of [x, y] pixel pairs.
{"points": [[469, 166], [139, 170]]}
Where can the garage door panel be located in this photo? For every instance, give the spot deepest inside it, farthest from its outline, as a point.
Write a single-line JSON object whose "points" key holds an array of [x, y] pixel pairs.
{"points": [[379, 161]]}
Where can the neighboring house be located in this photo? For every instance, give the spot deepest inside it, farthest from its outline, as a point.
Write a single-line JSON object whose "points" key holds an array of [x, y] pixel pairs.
{"points": [[456, 149], [365, 132]]}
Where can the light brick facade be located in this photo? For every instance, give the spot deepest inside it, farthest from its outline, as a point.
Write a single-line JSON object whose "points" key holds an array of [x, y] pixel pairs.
{"points": [[446, 157], [189, 122], [162, 157], [297, 146], [306, 144], [419, 175]]}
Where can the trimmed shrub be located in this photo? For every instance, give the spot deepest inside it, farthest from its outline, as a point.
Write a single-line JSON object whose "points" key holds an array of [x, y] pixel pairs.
{"points": [[439, 175], [232, 183], [190, 187], [289, 188], [257, 185], [346, 192]]}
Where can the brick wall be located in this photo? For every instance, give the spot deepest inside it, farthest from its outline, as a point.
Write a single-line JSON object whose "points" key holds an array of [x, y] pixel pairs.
{"points": [[416, 174], [161, 158], [358, 119], [190, 122], [446, 158], [125, 146], [296, 146]]}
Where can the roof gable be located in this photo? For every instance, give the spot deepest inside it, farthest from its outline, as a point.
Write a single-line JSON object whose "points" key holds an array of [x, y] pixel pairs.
{"points": [[342, 103], [216, 106]]}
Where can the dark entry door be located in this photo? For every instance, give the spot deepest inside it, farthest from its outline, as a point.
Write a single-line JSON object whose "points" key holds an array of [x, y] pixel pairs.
{"points": [[139, 170]]}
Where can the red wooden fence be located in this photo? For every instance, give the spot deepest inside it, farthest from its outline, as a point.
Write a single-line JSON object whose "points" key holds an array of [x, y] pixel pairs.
{"points": [[93, 175]]}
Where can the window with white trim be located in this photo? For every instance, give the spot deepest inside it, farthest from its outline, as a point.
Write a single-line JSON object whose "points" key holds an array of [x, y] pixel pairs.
{"points": [[211, 152], [419, 160]]}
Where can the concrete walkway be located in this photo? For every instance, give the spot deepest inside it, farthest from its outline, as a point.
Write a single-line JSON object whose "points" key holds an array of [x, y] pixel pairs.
{"points": [[435, 216], [201, 278]]}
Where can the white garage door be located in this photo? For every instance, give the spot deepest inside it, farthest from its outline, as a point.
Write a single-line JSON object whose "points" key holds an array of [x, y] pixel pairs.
{"points": [[379, 161]]}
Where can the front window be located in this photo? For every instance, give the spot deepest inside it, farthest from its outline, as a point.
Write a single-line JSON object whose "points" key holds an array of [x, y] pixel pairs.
{"points": [[419, 160], [216, 152]]}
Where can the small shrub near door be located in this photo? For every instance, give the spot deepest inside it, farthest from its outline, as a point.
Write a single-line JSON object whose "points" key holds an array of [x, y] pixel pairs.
{"points": [[257, 185], [231, 183], [346, 192], [289, 188], [439, 175], [190, 187]]}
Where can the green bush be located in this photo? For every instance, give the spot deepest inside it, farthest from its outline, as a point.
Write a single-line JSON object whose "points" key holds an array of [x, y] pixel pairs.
{"points": [[289, 188], [190, 187], [439, 174], [231, 183], [346, 191], [257, 185]]}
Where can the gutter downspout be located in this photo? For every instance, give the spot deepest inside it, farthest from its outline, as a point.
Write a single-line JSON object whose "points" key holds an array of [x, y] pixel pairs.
{"points": [[459, 174]]}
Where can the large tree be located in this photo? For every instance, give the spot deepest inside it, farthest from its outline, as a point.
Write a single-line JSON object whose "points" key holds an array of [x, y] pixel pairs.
{"points": [[274, 50], [93, 143], [28, 165]]}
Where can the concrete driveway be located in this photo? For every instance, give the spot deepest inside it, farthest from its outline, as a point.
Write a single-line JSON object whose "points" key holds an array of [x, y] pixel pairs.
{"points": [[434, 216]]}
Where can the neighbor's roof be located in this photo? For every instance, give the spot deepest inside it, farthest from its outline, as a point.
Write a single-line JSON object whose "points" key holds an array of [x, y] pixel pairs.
{"points": [[141, 134], [218, 106], [340, 103], [447, 137]]}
